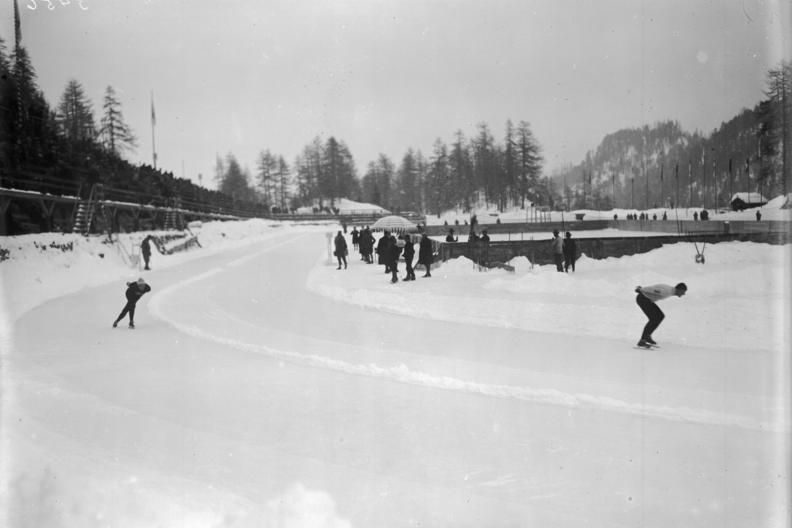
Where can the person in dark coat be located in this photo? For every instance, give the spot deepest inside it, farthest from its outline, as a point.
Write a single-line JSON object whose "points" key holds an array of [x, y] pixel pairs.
{"points": [[393, 252], [425, 254], [450, 237], [484, 236], [341, 250], [409, 254], [145, 250], [135, 290], [367, 245], [355, 238], [557, 246], [383, 251], [570, 252]]}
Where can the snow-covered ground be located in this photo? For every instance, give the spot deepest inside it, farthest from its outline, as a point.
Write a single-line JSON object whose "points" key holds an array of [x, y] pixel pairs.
{"points": [[263, 387]]}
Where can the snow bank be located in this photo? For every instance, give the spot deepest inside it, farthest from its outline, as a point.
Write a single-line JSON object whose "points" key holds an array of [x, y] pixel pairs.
{"points": [[44, 266]]}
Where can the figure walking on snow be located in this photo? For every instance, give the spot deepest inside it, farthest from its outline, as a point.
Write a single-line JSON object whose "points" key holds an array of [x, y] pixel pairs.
{"points": [[557, 245], [135, 290], [570, 252], [646, 299], [145, 249], [425, 254], [409, 254], [341, 250]]}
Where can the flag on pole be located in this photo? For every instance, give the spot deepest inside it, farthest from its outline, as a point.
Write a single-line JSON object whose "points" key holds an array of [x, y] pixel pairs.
{"points": [[153, 115], [17, 25]]}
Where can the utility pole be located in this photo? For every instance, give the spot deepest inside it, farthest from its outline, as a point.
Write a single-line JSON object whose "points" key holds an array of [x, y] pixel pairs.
{"points": [[153, 124]]}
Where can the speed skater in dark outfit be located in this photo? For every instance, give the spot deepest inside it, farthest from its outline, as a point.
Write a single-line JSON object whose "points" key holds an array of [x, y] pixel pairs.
{"points": [[135, 290]]}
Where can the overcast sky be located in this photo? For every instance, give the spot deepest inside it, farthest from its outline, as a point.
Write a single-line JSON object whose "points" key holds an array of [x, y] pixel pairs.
{"points": [[383, 76]]}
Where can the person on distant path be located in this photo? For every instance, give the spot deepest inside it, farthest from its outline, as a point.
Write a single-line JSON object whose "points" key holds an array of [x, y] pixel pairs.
{"points": [[383, 251], [409, 254], [341, 250], [367, 245], [355, 238], [570, 252], [393, 251], [425, 254], [145, 249], [758, 215], [557, 245], [134, 292], [646, 299]]}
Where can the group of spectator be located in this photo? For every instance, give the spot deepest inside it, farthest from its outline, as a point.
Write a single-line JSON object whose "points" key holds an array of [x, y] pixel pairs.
{"points": [[703, 216], [363, 241], [390, 248], [564, 251], [472, 237], [642, 216]]}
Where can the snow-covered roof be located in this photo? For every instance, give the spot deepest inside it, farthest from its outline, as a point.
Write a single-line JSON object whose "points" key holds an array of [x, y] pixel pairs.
{"points": [[749, 197], [345, 205]]}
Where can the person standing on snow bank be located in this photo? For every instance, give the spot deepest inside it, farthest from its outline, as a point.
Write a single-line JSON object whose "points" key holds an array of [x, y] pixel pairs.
{"points": [[135, 290], [409, 254], [145, 249], [570, 252], [557, 245], [646, 299], [425, 254], [341, 250]]}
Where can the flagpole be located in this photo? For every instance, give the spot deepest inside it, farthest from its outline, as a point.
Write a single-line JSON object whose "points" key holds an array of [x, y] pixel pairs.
{"points": [[153, 142]]}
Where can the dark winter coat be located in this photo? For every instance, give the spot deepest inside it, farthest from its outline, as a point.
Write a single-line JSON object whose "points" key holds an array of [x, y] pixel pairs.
{"points": [[425, 251], [383, 250], [570, 248], [393, 253], [340, 246], [135, 290], [145, 247], [409, 251]]}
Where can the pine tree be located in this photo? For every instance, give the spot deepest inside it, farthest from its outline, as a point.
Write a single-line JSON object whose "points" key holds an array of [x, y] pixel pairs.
{"points": [[266, 179], [461, 172], [529, 161], [235, 181], [75, 115], [117, 135], [407, 178], [438, 195], [283, 180]]}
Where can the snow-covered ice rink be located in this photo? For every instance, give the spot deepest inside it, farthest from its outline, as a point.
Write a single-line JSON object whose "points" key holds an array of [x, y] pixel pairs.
{"points": [[263, 387]]}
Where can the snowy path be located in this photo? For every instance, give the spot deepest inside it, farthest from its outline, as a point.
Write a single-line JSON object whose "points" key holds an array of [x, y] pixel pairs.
{"points": [[243, 398]]}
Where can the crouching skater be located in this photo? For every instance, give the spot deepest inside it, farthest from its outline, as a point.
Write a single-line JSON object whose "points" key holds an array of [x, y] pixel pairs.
{"points": [[135, 290]]}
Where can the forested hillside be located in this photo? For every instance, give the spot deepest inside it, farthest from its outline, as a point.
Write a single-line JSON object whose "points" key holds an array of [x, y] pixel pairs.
{"points": [[662, 164]]}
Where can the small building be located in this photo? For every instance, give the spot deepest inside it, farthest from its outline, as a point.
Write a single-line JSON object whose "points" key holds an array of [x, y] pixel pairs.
{"points": [[745, 200]]}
